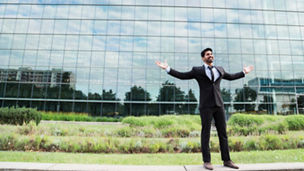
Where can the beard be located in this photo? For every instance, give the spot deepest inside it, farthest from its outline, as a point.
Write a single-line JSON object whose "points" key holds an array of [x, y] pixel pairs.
{"points": [[209, 60]]}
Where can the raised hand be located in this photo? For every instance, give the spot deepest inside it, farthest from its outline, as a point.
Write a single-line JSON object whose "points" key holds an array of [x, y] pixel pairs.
{"points": [[162, 65], [247, 69]]}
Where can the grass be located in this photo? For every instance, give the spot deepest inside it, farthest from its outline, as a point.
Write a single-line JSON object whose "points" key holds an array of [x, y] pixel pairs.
{"points": [[296, 155]]}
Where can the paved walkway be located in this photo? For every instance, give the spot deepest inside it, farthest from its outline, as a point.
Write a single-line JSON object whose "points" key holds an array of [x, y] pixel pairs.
{"points": [[84, 167]]}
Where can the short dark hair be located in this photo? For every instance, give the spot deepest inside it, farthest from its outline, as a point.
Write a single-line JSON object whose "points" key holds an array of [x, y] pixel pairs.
{"points": [[204, 51]]}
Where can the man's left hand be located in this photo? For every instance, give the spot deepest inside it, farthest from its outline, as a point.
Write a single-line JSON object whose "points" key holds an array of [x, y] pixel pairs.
{"points": [[247, 69]]}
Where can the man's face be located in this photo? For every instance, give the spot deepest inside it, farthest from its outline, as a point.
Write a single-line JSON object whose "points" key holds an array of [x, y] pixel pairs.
{"points": [[208, 58]]}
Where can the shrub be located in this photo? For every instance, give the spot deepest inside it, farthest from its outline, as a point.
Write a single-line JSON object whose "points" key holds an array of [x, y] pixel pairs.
{"points": [[19, 116], [251, 145], [295, 122], [175, 132], [125, 132], [162, 122], [244, 120], [27, 129], [134, 121], [271, 142], [112, 145]]}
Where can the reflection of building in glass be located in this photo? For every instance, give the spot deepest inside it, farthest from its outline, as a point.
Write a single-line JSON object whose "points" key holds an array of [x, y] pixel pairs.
{"points": [[39, 78], [284, 93], [106, 52]]}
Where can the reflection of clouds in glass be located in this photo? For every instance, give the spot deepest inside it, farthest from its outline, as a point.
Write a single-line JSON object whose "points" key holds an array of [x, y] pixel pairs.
{"points": [[101, 41]]}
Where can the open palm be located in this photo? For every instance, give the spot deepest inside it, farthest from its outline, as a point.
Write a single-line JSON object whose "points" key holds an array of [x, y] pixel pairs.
{"points": [[162, 65], [248, 69]]}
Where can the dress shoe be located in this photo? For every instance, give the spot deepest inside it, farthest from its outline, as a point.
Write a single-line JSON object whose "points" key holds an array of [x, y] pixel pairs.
{"points": [[230, 164], [208, 165]]}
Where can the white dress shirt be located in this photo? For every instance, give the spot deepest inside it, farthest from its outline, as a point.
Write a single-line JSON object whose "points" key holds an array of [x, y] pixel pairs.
{"points": [[214, 70]]}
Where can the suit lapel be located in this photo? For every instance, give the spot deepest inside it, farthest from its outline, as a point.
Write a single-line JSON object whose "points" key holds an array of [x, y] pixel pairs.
{"points": [[219, 69], [204, 71]]}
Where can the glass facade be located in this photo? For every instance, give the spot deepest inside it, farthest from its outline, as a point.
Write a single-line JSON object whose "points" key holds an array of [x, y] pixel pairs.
{"points": [[98, 56]]}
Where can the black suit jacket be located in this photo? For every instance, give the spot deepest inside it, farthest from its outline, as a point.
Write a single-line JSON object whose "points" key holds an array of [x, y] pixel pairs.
{"points": [[210, 93]]}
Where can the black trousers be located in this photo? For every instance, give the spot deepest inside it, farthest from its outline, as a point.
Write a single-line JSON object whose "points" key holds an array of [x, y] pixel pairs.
{"points": [[218, 113]]}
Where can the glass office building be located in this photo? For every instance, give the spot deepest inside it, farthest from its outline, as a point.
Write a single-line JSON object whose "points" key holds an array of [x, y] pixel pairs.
{"points": [[98, 56]]}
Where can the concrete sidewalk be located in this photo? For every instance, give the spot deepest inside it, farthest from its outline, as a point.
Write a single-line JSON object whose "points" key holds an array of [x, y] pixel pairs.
{"points": [[20, 166]]}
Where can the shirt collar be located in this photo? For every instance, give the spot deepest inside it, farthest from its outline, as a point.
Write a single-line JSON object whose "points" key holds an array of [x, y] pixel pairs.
{"points": [[206, 66]]}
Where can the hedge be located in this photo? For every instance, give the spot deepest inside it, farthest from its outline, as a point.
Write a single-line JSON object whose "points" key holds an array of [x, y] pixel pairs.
{"points": [[137, 145], [76, 117], [245, 124], [19, 116]]}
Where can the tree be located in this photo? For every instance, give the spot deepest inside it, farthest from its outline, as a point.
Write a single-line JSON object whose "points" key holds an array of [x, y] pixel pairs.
{"points": [[190, 97], [136, 94], [245, 94], [226, 95], [267, 104], [170, 93], [109, 109]]}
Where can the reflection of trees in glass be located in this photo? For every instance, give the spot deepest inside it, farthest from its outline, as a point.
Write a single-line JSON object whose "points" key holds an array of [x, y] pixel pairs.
{"points": [[110, 109], [190, 97], [226, 95], [291, 107], [245, 94], [11, 90], [300, 101], [136, 94], [170, 93], [267, 104]]}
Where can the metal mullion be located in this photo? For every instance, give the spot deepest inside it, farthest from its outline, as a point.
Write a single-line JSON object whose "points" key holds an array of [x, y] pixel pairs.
{"points": [[76, 68], [51, 50], [228, 56], [104, 63], [117, 71], [160, 36], [141, 20], [149, 52], [62, 65], [117, 35], [240, 46], [146, 67], [36, 59], [10, 56], [26, 36], [6, 75], [140, 5], [132, 61], [292, 62], [90, 71]]}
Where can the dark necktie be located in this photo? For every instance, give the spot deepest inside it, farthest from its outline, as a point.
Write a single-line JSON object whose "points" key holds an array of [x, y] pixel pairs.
{"points": [[212, 75]]}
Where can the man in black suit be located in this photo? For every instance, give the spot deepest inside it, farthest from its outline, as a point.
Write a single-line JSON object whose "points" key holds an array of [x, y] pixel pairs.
{"points": [[211, 104]]}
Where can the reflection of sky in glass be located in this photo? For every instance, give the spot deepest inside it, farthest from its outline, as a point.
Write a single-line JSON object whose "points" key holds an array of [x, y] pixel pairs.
{"points": [[126, 40]]}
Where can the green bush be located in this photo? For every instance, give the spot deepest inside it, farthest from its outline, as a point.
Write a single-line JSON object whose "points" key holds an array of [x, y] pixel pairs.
{"points": [[134, 121], [242, 124], [175, 132], [122, 145], [27, 129], [271, 142], [125, 132], [162, 122], [76, 117], [19, 116], [245, 120], [295, 122]]}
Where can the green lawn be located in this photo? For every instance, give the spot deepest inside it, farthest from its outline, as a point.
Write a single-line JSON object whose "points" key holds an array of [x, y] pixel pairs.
{"points": [[296, 155]]}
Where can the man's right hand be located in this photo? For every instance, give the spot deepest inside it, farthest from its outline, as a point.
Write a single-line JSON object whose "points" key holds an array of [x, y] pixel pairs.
{"points": [[162, 65]]}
